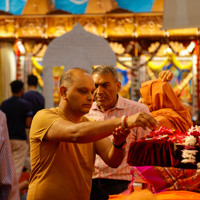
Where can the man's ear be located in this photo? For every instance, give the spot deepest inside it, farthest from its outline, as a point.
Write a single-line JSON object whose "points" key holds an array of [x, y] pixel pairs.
{"points": [[63, 91], [118, 86]]}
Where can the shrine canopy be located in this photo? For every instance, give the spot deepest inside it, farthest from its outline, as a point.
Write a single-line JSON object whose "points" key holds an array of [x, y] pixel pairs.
{"points": [[77, 48]]}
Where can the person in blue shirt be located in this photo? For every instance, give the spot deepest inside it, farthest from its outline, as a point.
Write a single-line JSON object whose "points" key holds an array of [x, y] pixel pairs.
{"points": [[19, 116], [33, 96]]}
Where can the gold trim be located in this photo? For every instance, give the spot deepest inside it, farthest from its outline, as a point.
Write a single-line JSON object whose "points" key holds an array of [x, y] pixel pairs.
{"points": [[129, 25]]}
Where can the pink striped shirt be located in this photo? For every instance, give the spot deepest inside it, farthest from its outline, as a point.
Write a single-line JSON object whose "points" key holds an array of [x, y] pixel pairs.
{"points": [[8, 180], [122, 107]]}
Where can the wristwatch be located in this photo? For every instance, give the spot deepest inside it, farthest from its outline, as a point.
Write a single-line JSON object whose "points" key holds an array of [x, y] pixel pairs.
{"points": [[121, 146]]}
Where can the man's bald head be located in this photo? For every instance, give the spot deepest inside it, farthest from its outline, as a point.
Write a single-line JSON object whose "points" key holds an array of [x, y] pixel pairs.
{"points": [[70, 76]]}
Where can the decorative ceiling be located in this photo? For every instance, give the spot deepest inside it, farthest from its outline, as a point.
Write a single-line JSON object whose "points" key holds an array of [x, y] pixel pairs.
{"points": [[106, 18]]}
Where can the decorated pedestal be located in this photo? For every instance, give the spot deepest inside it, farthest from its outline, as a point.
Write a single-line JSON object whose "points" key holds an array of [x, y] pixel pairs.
{"points": [[167, 160]]}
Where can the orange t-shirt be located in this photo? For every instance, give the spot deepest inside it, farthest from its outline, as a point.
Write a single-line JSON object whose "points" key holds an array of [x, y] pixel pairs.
{"points": [[60, 170]]}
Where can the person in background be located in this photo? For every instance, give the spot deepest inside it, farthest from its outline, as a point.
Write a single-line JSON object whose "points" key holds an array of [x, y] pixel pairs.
{"points": [[63, 142], [109, 105], [19, 116], [164, 104], [9, 189], [169, 111], [33, 96], [197, 121], [37, 101]]}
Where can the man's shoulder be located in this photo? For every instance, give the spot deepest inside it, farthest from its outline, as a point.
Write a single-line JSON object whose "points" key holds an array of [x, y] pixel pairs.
{"points": [[47, 111], [88, 119], [130, 102], [32, 93], [45, 116], [94, 111], [25, 104], [6, 104], [6, 101], [24, 101]]}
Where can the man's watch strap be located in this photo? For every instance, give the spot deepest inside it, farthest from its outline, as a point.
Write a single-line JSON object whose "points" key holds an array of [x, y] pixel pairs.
{"points": [[121, 146]]}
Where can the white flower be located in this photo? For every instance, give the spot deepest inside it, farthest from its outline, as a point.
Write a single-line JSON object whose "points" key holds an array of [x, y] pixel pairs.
{"points": [[189, 156], [190, 140], [188, 161], [189, 153]]}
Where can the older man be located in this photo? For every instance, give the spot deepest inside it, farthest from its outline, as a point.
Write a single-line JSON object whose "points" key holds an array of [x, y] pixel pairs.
{"points": [[64, 142], [109, 105]]}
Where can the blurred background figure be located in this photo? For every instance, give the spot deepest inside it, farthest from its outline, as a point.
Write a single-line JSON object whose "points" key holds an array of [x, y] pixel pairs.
{"points": [[197, 121], [36, 100], [164, 104], [9, 189], [32, 95], [19, 116]]}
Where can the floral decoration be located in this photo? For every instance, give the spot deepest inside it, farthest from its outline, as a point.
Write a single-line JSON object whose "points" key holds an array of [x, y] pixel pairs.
{"points": [[189, 140], [164, 133]]}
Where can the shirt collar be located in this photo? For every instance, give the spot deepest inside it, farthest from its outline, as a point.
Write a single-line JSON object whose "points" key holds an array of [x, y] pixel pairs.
{"points": [[119, 104]]}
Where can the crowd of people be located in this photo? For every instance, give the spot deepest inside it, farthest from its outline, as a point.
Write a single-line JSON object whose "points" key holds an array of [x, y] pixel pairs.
{"points": [[79, 149]]}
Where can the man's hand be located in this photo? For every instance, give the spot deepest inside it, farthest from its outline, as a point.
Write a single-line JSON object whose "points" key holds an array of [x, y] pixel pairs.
{"points": [[119, 135], [141, 119], [165, 75]]}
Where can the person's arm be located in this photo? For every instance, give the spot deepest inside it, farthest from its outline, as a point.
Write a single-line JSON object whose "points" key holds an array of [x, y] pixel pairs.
{"points": [[8, 179], [62, 130], [113, 152], [29, 113], [140, 132], [28, 121]]}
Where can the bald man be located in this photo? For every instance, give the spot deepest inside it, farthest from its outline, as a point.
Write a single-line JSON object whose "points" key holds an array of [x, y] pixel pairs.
{"points": [[63, 142]]}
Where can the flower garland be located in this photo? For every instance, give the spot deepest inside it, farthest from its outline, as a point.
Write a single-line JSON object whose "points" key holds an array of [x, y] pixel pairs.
{"points": [[164, 133], [157, 67], [173, 59], [180, 65], [37, 70], [36, 64], [191, 141]]}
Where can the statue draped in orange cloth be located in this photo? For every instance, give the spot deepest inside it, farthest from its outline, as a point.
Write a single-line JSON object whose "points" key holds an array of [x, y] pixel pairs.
{"points": [[164, 105]]}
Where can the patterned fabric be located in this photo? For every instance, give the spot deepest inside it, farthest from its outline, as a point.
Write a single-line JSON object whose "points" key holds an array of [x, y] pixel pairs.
{"points": [[8, 181], [122, 107], [179, 178], [160, 179]]}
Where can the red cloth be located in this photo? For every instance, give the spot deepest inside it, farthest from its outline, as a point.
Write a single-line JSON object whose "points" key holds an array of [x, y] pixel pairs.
{"points": [[152, 152]]}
